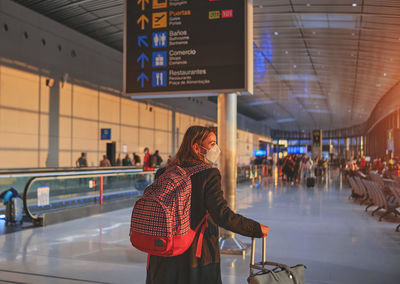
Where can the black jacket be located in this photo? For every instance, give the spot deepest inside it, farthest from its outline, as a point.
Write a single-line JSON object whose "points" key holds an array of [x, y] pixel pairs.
{"points": [[186, 268]]}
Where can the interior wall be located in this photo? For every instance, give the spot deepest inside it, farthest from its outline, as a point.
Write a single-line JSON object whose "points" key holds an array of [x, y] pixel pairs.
{"points": [[58, 88], [25, 102]]}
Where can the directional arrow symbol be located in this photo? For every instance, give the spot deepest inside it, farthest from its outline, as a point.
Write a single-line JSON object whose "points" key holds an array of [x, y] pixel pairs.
{"points": [[142, 77], [143, 2], [142, 58], [141, 40], [142, 21]]}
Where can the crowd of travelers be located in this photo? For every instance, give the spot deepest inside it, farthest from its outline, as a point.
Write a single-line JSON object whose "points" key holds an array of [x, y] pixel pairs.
{"points": [[387, 167], [150, 161], [295, 168]]}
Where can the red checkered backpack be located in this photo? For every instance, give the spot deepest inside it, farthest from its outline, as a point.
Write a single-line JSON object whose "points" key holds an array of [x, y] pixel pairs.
{"points": [[160, 223]]}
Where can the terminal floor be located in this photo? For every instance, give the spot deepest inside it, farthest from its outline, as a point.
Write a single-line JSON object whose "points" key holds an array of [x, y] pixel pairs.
{"points": [[320, 227]]}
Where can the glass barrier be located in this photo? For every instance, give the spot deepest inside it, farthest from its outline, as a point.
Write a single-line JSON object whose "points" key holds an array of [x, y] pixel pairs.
{"points": [[46, 192], [54, 193]]}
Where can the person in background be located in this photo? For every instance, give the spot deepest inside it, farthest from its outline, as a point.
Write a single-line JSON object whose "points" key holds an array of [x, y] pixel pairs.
{"points": [[385, 170], [362, 164], [127, 161], [147, 160], [169, 160], [296, 171], [105, 162], [136, 159], [81, 162], [118, 161], [309, 168], [158, 157]]}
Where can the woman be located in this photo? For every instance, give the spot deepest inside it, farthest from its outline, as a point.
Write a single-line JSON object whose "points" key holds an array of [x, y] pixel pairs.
{"points": [[199, 147]]}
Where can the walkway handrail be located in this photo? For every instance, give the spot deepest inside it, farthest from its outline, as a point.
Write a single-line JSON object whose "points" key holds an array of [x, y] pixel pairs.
{"points": [[43, 172], [74, 174]]}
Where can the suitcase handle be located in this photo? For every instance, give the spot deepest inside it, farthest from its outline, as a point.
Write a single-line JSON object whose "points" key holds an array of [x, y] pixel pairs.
{"points": [[253, 250], [264, 262]]}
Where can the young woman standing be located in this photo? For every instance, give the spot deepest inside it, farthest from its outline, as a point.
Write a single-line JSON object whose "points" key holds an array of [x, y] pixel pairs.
{"points": [[199, 146]]}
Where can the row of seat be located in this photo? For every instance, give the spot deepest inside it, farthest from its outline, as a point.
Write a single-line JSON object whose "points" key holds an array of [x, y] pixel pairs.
{"points": [[374, 191]]}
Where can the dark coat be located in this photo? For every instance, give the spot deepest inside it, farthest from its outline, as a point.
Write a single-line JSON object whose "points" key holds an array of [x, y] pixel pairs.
{"points": [[186, 268]]}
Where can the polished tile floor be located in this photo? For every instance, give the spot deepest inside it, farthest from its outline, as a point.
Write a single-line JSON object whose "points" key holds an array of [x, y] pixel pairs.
{"points": [[320, 227]]}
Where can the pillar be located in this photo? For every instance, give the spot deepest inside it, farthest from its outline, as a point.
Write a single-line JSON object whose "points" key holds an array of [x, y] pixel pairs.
{"points": [[227, 140], [52, 160]]}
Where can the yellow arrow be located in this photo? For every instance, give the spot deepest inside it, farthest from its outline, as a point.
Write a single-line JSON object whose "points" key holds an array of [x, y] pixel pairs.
{"points": [[143, 2], [142, 20]]}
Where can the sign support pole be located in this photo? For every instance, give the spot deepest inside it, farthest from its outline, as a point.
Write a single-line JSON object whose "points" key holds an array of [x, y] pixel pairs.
{"points": [[227, 140]]}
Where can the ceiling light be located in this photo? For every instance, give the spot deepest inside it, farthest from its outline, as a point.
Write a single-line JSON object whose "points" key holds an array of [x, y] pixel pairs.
{"points": [[290, 77], [276, 33], [313, 33], [294, 66], [309, 96], [384, 74], [283, 120], [262, 103], [286, 52], [260, 6], [378, 85], [354, 4], [308, 4], [318, 110]]}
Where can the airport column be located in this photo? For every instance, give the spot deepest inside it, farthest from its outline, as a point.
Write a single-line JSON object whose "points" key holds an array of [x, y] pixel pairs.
{"points": [[316, 143], [227, 140], [52, 160], [347, 148]]}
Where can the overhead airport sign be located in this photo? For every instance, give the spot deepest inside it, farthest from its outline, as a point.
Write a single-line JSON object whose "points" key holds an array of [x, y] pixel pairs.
{"points": [[187, 46]]}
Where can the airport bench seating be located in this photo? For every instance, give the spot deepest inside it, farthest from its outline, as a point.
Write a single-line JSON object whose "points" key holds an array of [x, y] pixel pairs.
{"points": [[377, 192], [356, 192], [396, 194], [382, 200], [359, 191]]}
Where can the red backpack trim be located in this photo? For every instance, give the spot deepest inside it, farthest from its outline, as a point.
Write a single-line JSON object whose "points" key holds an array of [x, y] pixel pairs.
{"points": [[152, 215]]}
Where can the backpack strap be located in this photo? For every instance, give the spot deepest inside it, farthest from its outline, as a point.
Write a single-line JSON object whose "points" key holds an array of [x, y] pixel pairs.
{"points": [[202, 226], [196, 169]]}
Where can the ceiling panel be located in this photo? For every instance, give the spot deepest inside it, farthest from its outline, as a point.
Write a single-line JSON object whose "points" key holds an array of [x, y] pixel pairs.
{"points": [[317, 63]]}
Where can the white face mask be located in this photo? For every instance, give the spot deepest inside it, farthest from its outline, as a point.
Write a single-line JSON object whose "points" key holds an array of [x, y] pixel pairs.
{"points": [[212, 154]]}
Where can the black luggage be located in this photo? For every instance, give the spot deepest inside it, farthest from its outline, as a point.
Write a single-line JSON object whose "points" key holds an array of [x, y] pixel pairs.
{"points": [[310, 182], [14, 210], [278, 274]]}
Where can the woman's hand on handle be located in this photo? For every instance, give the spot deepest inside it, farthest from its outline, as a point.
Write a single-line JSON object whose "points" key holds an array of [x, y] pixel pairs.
{"points": [[264, 230]]}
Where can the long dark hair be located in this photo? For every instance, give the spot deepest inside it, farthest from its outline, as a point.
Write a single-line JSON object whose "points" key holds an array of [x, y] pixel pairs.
{"points": [[186, 155]]}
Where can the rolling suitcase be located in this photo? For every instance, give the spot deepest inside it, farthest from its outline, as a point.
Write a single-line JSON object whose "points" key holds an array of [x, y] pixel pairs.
{"points": [[310, 182], [277, 274], [14, 210]]}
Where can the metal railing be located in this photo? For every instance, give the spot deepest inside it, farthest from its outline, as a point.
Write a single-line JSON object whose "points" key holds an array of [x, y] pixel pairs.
{"points": [[47, 192]]}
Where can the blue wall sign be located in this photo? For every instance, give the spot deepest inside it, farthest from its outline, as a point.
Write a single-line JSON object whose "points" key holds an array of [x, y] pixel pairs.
{"points": [[260, 153], [106, 134]]}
